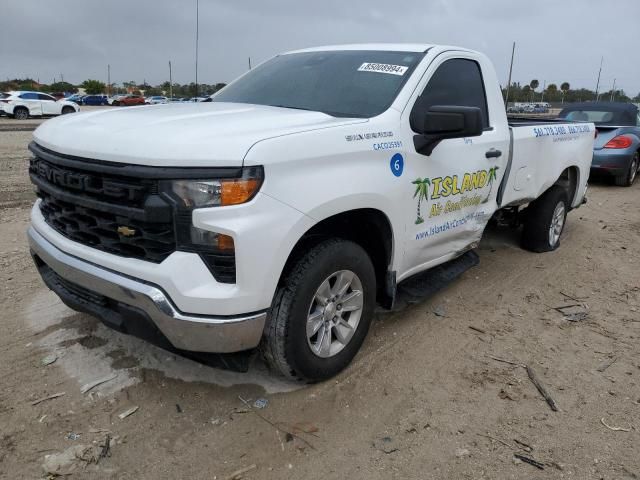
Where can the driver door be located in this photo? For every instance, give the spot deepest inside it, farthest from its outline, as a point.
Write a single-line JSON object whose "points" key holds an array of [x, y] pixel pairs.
{"points": [[452, 191]]}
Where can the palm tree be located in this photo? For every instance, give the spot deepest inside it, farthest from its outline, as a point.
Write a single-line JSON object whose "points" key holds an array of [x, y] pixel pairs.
{"points": [[422, 192], [534, 84], [565, 87], [492, 176]]}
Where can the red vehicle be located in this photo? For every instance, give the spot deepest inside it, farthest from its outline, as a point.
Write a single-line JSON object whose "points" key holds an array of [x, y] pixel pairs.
{"points": [[130, 99]]}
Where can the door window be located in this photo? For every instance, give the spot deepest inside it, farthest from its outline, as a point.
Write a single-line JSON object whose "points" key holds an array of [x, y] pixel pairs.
{"points": [[29, 96], [42, 96], [457, 82]]}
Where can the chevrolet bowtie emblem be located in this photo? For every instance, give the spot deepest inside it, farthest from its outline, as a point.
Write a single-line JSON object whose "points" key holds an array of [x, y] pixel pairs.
{"points": [[126, 231]]}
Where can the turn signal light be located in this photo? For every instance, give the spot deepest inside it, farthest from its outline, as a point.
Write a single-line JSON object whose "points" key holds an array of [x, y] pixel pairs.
{"points": [[621, 141], [237, 191]]}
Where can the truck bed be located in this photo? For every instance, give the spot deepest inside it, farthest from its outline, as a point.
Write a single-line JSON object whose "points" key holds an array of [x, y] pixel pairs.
{"points": [[541, 150]]}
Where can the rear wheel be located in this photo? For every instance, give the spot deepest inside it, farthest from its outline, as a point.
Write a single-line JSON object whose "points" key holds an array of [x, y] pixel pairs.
{"points": [[627, 179], [20, 113], [321, 314], [545, 220]]}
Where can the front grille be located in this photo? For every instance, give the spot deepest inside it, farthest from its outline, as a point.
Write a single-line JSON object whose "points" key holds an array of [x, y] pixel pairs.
{"points": [[99, 229], [113, 213], [118, 208]]}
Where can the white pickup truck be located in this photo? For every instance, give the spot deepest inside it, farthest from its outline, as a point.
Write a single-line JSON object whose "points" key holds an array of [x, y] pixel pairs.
{"points": [[279, 213]]}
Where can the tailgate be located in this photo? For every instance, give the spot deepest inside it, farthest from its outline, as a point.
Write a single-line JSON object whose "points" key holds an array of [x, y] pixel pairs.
{"points": [[540, 154]]}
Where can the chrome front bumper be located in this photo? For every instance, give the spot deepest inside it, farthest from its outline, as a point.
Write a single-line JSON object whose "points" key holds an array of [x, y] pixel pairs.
{"points": [[196, 333]]}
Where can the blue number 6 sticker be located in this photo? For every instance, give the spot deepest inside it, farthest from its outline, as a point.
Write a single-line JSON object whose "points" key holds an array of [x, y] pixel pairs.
{"points": [[397, 164]]}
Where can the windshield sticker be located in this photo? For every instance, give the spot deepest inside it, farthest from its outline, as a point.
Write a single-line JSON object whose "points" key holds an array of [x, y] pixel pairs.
{"points": [[383, 68], [367, 136]]}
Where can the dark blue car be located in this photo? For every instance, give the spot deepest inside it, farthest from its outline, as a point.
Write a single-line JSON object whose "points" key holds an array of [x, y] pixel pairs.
{"points": [[95, 100], [616, 151]]}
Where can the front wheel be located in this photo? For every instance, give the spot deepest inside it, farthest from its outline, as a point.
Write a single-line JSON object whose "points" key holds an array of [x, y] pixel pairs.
{"points": [[67, 110], [627, 179], [321, 313], [545, 220]]}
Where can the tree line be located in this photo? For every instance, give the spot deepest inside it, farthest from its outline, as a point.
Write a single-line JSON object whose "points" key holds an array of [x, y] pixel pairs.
{"points": [[95, 87], [553, 93], [530, 92]]}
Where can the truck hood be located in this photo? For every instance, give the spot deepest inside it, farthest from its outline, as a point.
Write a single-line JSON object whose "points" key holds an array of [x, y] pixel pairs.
{"points": [[196, 134]]}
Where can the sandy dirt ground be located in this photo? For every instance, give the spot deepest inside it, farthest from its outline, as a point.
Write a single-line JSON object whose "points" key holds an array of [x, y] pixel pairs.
{"points": [[425, 398]]}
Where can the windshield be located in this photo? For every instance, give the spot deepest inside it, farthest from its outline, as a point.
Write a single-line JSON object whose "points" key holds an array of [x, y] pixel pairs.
{"points": [[339, 83], [600, 116]]}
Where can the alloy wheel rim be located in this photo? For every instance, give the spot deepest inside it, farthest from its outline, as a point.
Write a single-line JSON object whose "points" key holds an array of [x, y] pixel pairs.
{"points": [[634, 169], [557, 223], [334, 313]]}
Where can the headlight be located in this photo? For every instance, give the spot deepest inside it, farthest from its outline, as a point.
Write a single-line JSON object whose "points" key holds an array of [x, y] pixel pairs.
{"points": [[215, 193]]}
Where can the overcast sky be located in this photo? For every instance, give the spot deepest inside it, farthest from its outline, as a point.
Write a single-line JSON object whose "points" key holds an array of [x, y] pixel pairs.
{"points": [[557, 40]]}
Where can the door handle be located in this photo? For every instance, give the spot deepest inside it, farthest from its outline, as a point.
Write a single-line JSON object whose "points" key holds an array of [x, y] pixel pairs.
{"points": [[493, 153]]}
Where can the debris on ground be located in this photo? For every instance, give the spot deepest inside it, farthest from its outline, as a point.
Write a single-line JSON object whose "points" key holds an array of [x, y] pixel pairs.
{"points": [[534, 379], [105, 448], [542, 389], [178, 408], [69, 461], [606, 364], [50, 397], [72, 436], [261, 403], [238, 474], [49, 359], [128, 412], [529, 460], [615, 429], [462, 452], [386, 445], [439, 311], [94, 384]]}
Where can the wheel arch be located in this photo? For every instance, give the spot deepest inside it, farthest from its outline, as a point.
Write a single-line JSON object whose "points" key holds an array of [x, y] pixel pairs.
{"points": [[569, 179], [368, 227]]}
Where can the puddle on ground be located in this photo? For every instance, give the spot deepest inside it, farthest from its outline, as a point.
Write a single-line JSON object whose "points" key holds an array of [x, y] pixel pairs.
{"points": [[88, 351]]}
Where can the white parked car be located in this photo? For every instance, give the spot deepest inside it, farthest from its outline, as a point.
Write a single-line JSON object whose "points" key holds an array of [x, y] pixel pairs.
{"points": [[156, 100], [24, 104]]}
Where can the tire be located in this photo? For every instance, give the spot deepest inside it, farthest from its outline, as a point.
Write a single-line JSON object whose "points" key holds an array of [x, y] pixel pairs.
{"points": [[20, 113], [286, 346], [627, 179], [547, 212], [116, 104], [66, 110]]}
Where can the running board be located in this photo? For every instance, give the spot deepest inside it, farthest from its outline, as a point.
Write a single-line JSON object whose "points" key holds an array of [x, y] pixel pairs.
{"points": [[420, 287]]}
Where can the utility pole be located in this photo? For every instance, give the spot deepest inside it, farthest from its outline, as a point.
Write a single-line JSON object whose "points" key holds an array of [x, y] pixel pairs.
{"points": [[249, 63], [613, 90], [513, 51], [197, 37], [170, 83], [544, 86], [108, 80], [598, 83]]}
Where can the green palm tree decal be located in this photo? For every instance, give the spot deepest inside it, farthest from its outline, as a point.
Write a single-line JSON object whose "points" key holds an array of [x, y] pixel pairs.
{"points": [[492, 176], [421, 193]]}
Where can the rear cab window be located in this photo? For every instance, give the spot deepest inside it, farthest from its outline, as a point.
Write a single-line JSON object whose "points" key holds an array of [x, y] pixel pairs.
{"points": [[457, 82]]}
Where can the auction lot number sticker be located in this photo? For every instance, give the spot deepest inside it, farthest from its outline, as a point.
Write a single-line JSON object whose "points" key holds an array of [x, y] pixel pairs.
{"points": [[383, 68]]}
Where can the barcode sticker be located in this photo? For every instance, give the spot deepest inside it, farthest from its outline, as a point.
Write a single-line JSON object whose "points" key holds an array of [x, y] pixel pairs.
{"points": [[383, 68]]}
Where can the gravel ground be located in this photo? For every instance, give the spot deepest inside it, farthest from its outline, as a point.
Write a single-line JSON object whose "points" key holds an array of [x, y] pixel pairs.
{"points": [[424, 399]]}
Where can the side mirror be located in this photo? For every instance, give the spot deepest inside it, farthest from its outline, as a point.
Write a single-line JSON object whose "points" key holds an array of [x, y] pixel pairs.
{"points": [[442, 122]]}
